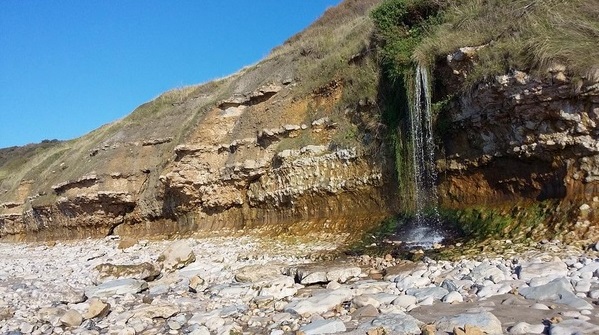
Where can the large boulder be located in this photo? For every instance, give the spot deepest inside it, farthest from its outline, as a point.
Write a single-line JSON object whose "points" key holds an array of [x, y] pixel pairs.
{"points": [[323, 273], [320, 303], [558, 290], [548, 270], [107, 271], [177, 255]]}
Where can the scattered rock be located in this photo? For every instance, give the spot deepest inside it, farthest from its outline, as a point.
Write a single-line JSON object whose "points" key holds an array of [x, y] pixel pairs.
{"points": [[452, 297], [522, 328], [71, 318], [558, 290], [320, 303], [195, 282], [549, 270], [72, 296], [436, 293], [323, 327], [313, 274], [97, 309], [177, 255], [468, 330], [405, 301], [144, 271], [367, 311], [429, 330], [258, 273], [235, 288]]}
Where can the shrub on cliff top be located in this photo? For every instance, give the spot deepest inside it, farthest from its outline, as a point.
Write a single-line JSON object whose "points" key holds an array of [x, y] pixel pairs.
{"points": [[400, 27]]}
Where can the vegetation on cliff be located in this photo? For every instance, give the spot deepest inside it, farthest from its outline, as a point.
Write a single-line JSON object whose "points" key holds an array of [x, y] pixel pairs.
{"points": [[548, 39], [527, 35]]}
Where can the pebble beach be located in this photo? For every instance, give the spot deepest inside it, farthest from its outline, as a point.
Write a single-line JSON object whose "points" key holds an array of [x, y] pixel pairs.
{"points": [[258, 285]]}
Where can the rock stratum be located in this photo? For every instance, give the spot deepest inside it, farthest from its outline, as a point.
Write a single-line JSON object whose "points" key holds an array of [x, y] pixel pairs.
{"points": [[297, 143], [522, 140]]}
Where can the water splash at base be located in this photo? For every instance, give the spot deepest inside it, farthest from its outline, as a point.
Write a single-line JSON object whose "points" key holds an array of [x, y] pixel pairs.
{"points": [[423, 232]]}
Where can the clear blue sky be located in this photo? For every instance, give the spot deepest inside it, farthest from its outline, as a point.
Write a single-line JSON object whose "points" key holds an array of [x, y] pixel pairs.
{"points": [[70, 66]]}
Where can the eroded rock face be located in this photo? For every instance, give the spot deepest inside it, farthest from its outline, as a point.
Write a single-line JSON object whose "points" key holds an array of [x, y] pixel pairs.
{"points": [[229, 172], [521, 139]]}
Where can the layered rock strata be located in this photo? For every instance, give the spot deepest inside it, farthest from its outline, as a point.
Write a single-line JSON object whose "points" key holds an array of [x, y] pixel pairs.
{"points": [[521, 139]]}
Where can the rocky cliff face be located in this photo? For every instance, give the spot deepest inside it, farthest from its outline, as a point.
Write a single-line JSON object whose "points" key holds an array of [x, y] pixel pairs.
{"points": [[521, 140], [256, 149]]}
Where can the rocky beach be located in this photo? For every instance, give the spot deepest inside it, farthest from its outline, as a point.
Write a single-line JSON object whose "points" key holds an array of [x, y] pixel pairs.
{"points": [[259, 285], [267, 201]]}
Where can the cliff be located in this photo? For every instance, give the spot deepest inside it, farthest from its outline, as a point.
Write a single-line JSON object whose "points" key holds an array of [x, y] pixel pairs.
{"points": [[522, 142], [314, 137], [275, 145]]}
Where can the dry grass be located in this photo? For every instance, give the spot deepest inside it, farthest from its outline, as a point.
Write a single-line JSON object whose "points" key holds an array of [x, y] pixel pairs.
{"points": [[530, 35]]}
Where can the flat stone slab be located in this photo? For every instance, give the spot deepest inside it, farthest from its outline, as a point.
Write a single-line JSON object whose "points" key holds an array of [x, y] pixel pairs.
{"points": [[320, 303], [116, 287], [155, 311], [558, 290], [258, 273], [313, 274], [143, 271], [319, 327]]}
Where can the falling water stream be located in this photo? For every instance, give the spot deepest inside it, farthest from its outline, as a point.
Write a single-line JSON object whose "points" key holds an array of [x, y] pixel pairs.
{"points": [[423, 230]]}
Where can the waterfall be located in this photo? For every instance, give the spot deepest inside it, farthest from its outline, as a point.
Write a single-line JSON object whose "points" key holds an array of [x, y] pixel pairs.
{"points": [[423, 149], [424, 230]]}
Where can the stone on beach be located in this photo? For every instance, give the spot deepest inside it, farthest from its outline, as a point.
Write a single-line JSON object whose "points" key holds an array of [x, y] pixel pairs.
{"points": [[436, 293], [258, 273], [71, 318], [558, 290], [573, 326], [548, 270], [143, 271], [394, 324], [224, 290], [116, 287], [522, 328], [452, 297], [97, 308], [177, 255], [486, 321], [312, 274], [155, 311], [405, 301], [320, 303], [323, 327]]}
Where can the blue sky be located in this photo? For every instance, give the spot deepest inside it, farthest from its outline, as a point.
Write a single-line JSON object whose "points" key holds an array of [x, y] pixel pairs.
{"points": [[68, 67]]}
